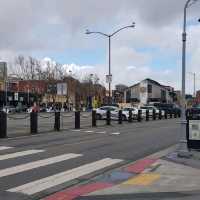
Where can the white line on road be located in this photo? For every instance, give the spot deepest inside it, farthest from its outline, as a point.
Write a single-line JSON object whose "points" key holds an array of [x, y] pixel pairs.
{"points": [[57, 179], [4, 148], [102, 132], [37, 164], [19, 154], [115, 133], [89, 131]]}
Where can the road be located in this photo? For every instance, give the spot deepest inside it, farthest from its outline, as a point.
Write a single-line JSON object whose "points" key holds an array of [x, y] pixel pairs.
{"points": [[38, 165]]}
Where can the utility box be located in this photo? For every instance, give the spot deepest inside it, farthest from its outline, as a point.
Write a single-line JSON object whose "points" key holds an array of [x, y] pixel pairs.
{"points": [[193, 133]]}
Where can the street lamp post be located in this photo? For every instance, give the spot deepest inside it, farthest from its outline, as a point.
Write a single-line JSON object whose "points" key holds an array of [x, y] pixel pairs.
{"points": [[109, 54], [183, 150]]}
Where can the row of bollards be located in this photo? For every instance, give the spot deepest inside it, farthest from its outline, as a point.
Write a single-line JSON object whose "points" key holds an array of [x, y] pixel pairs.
{"points": [[34, 119]]}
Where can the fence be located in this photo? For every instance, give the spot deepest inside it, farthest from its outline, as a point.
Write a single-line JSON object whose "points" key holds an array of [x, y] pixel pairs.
{"points": [[34, 122]]}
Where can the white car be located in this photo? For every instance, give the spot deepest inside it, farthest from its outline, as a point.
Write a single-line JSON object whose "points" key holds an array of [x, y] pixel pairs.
{"points": [[9, 109], [125, 113], [151, 108], [101, 113]]}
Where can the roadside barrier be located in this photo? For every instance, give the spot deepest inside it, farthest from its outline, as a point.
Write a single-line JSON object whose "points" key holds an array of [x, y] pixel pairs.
{"points": [[170, 115], [77, 120], [139, 118], [108, 117], [154, 114], [57, 121], [130, 116], [160, 114], [94, 121], [3, 125], [166, 114], [34, 122], [147, 115], [120, 117]]}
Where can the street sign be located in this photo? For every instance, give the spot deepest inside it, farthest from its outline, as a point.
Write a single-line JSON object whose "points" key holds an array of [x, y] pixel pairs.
{"points": [[108, 78]]}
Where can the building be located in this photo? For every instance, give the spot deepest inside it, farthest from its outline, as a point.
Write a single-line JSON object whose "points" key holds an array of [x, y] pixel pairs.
{"points": [[197, 99], [118, 93], [148, 91]]}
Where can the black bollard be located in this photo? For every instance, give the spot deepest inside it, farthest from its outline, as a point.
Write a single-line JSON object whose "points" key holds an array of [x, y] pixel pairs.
{"points": [[171, 114], [154, 114], [147, 115], [94, 121], [175, 114], [130, 116], [166, 114], [108, 119], [57, 121], [139, 117], [160, 114], [3, 124], [120, 117], [77, 119], [34, 122]]}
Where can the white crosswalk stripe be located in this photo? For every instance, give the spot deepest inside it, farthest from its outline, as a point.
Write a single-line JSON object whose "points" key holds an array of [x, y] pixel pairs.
{"points": [[57, 179], [20, 154], [4, 148], [37, 164]]}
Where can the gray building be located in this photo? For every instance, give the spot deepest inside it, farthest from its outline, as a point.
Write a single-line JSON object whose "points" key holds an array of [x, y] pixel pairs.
{"points": [[148, 91]]}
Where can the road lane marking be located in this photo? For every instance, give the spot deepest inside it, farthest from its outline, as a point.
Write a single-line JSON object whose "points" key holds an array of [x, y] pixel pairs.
{"points": [[4, 148], [115, 133], [102, 132], [37, 164], [57, 179], [89, 131], [19, 154], [143, 179]]}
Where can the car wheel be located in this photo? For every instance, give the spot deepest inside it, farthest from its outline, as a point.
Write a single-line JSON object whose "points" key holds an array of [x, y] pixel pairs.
{"points": [[98, 116]]}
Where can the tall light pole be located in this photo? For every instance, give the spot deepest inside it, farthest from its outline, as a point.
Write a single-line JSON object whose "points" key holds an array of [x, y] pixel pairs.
{"points": [[109, 77], [194, 79], [183, 150]]}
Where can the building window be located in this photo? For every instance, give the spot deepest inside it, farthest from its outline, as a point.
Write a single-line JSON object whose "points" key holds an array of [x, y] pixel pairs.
{"points": [[149, 88]]}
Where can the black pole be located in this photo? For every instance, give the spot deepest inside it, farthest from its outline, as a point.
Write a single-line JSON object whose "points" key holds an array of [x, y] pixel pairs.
{"points": [[171, 114], [108, 119], [166, 113], [3, 124], [57, 121], [120, 117], [139, 118], [77, 119], [34, 122], [154, 114], [147, 115], [160, 114], [175, 114], [130, 116], [109, 69], [94, 121]]}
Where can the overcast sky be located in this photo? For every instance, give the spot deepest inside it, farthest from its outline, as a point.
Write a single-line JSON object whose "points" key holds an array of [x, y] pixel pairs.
{"points": [[55, 29]]}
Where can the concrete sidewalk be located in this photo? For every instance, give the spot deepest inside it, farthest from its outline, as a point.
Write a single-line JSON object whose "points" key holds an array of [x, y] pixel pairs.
{"points": [[156, 176]]}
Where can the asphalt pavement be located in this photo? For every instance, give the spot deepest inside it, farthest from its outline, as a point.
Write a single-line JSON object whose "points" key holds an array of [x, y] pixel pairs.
{"points": [[32, 167]]}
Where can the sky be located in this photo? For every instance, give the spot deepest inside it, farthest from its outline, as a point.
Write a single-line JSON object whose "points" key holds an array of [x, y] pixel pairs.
{"points": [[56, 30]]}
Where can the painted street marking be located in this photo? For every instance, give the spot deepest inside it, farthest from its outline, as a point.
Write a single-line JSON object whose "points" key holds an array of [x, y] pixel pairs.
{"points": [[37, 164], [89, 131], [140, 165], [4, 148], [143, 179], [115, 133], [77, 191], [102, 132], [19, 154], [76, 130], [57, 179]]}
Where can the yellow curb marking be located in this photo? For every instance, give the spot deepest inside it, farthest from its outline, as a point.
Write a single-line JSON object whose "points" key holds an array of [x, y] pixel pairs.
{"points": [[143, 179]]}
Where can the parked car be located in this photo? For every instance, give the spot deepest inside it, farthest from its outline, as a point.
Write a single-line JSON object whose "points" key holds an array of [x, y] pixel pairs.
{"points": [[102, 111], [195, 111], [125, 113], [9, 109], [168, 107]]}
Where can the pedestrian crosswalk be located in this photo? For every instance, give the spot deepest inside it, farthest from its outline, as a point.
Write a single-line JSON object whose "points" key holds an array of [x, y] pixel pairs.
{"points": [[58, 176]]}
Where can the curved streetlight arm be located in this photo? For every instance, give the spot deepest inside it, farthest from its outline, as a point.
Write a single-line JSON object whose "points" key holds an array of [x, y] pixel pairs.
{"points": [[88, 32], [132, 26]]}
